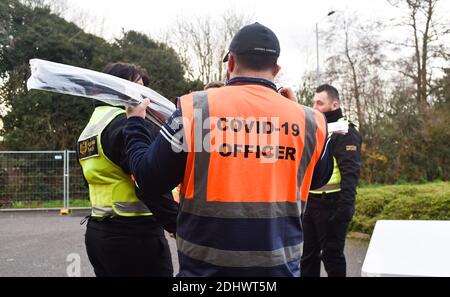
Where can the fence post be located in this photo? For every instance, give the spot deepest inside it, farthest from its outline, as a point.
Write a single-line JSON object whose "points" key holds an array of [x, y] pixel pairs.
{"points": [[65, 210], [68, 178], [64, 180]]}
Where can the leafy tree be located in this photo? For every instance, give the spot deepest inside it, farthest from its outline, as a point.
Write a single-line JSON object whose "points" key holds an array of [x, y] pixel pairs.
{"points": [[39, 120], [408, 146], [164, 66]]}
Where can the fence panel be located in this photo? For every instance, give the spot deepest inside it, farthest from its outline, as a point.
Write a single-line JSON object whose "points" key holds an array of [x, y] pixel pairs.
{"points": [[41, 179], [32, 179], [78, 192]]}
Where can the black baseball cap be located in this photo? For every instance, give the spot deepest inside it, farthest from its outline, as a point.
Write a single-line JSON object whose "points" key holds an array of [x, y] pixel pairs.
{"points": [[254, 38]]}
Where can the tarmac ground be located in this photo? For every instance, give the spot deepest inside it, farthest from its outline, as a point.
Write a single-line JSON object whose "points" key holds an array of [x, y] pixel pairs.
{"points": [[43, 243]]}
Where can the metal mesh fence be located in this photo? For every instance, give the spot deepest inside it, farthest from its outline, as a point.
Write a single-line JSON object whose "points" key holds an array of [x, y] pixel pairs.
{"points": [[78, 191], [44, 179]]}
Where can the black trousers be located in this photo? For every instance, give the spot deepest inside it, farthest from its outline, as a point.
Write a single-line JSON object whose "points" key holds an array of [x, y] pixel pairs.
{"points": [[324, 239], [128, 255]]}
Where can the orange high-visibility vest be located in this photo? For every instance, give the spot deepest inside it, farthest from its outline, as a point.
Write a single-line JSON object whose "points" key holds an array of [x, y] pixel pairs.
{"points": [[251, 156], [242, 177]]}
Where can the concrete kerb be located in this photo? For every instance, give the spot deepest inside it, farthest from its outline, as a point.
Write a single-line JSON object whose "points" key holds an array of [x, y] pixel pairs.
{"points": [[61, 211]]}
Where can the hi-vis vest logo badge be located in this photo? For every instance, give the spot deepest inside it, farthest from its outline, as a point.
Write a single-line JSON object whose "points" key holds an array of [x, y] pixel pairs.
{"points": [[351, 148], [88, 148]]}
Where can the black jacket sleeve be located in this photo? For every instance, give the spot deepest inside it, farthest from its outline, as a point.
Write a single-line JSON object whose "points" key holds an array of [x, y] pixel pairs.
{"points": [[324, 167], [158, 165], [347, 151], [113, 143], [163, 206]]}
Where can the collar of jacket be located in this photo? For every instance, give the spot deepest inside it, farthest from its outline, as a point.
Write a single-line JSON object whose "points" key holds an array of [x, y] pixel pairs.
{"points": [[333, 116], [251, 81]]}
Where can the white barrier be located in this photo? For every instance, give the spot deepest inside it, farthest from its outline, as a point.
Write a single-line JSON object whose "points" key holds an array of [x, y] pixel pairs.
{"points": [[409, 248]]}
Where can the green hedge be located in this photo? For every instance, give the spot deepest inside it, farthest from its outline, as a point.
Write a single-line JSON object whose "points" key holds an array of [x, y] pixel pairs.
{"points": [[400, 202]]}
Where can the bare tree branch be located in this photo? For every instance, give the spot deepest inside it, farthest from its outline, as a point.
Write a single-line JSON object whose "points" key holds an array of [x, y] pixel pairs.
{"points": [[202, 42]]}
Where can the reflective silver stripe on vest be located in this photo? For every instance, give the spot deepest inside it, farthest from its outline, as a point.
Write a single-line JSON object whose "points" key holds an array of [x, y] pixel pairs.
{"points": [[94, 130], [240, 210], [227, 210], [122, 207], [131, 207], [329, 187], [226, 258], [310, 143], [102, 211], [201, 161]]}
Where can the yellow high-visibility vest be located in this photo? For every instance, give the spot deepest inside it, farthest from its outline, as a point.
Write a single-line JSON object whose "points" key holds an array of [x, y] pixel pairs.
{"points": [[111, 190], [334, 184]]}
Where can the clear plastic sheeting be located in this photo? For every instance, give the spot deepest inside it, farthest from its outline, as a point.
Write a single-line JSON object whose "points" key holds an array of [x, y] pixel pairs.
{"points": [[65, 79]]}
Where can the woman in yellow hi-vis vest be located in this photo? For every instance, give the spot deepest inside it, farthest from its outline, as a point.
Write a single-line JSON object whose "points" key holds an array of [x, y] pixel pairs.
{"points": [[124, 236]]}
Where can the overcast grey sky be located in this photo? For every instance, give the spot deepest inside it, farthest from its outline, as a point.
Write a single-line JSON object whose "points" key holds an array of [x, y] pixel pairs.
{"points": [[292, 21]]}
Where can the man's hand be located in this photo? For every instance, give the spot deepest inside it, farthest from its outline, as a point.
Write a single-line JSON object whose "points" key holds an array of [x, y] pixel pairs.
{"points": [[138, 110], [288, 93]]}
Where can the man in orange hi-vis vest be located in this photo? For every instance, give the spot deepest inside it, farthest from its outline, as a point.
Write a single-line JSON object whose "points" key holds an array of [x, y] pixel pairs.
{"points": [[245, 156]]}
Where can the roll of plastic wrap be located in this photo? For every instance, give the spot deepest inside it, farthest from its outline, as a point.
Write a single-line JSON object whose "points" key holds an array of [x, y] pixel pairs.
{"points": [[66, 79]]}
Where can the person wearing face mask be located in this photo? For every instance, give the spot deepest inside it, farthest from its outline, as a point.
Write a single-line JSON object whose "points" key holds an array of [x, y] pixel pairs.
{"points": [[124, 236], [330, 209]]}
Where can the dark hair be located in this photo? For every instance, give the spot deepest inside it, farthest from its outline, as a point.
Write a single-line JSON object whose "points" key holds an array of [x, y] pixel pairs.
{"points": [[256, 62], [131, 72], [332, 92], [214, 84]]}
